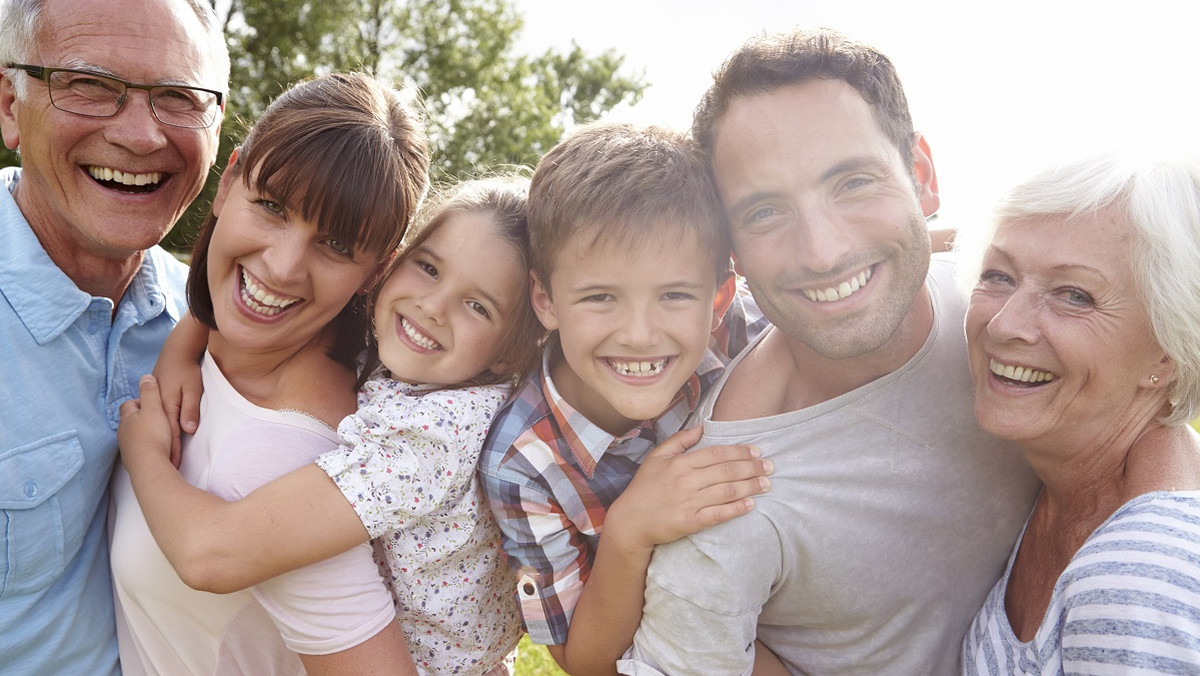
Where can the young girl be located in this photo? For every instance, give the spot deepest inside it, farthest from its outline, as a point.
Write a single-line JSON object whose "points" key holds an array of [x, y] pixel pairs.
{"points": [[454, 330]]}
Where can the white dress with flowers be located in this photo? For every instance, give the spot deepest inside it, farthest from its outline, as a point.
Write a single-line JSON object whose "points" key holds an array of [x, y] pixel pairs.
{"points": [[406, 463]]}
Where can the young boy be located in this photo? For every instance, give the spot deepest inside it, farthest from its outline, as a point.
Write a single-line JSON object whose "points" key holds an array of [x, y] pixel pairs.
{"points": [[630, 273]]}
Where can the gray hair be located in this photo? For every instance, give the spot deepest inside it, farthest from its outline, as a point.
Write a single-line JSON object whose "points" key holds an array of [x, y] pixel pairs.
{"points": [[1161, 202], [20, 21]]}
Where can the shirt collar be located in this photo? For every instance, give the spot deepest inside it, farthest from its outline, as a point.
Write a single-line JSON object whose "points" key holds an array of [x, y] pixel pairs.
{"points": [[42, 295], [588, 442]]}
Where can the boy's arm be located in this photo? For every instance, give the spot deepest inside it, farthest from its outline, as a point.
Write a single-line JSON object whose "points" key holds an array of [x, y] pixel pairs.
{"points": [[672, 495], [221, 546], [178, 373]]}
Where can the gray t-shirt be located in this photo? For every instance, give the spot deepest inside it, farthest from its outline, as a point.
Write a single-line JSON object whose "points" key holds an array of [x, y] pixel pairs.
{"points": [[889, 518]]}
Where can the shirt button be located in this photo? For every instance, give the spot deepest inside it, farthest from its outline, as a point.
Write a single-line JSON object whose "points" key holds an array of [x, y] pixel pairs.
{"points": [[31, 489], [526, 585]]}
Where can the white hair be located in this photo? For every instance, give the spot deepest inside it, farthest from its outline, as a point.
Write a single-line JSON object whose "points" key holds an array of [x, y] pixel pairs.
{"points": [[1160, 200]]}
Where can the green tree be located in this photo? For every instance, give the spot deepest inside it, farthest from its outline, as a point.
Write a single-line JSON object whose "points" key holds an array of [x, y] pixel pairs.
{"points": [[485, 104]]}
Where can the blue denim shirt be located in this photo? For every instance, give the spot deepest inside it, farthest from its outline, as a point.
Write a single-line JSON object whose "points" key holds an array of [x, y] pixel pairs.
{"points": [[67, 364]]}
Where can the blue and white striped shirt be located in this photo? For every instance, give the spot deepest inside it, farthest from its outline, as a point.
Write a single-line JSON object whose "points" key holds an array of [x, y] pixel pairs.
{"points": [[1128, 602]]}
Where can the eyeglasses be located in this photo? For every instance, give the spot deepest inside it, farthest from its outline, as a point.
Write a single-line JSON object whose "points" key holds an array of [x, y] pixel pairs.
{"points": [[85, 93]]}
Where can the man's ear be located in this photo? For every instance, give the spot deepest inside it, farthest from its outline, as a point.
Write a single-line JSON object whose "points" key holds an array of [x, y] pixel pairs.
{"points": [[8, 116], [228, 176], [726, 292], [543, 305], [927, 186]]}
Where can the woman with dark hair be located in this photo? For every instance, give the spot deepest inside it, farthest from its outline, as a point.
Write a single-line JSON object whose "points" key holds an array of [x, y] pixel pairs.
{"points": [[309, 211]]}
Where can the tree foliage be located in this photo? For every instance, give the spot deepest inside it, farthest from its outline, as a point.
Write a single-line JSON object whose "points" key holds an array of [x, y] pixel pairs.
{"points": [[486, 105]]}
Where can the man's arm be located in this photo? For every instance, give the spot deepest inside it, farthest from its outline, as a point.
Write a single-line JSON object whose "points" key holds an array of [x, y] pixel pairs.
{"points": [[672, 495], [704, 594]]}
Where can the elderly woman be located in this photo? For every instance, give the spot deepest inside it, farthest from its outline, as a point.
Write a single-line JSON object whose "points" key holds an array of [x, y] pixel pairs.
{"points": [[1085, 351]]}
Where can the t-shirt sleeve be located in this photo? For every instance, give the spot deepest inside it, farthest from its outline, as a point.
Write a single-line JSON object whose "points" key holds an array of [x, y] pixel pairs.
{"points": [[329, 606], [401, 457], [704, 594]]}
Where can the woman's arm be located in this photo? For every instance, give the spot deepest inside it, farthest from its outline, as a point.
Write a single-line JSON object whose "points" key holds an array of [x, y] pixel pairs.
{"points": [[384, 653], [178, 374], [220, 546]]}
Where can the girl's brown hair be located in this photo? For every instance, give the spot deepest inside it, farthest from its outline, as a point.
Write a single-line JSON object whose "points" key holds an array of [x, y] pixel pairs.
{"points": [[503, 199]]}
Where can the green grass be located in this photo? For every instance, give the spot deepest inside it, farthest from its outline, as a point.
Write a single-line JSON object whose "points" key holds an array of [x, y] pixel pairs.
{"points": [[534, 660]]}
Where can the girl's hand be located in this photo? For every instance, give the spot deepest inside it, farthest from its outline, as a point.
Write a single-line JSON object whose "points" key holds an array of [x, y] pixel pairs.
{"points": [[145, 430]]}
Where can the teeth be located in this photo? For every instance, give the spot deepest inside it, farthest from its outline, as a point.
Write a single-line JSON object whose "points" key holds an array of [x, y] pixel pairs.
{"points": [[418, 337], [263, 302], [843, 290], [1020, 373], [639, 369], [118, 176]]}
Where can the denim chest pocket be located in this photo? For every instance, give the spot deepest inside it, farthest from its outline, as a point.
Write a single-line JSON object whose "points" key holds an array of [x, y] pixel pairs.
{"points": [[44, 518]]}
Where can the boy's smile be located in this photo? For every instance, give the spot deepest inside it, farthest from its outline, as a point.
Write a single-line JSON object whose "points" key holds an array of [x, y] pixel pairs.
{"points": [[633, 325]]}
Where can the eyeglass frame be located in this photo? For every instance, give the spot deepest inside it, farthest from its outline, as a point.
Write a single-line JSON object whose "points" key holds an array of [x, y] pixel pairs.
{"points": [[43, 73]]}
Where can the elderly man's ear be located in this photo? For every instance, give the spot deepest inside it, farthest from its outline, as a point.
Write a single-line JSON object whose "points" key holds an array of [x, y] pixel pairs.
{"points": [[8, 116]]}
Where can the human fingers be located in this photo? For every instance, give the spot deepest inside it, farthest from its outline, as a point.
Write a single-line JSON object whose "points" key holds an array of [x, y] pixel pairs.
{"points": [[677, 443]]}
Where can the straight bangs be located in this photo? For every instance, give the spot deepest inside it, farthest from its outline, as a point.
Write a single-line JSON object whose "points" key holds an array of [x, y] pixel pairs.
{"points": [[345, 178]]}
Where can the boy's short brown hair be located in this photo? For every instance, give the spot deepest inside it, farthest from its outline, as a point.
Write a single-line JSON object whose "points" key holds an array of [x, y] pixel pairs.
{"points": [[615, 183]]}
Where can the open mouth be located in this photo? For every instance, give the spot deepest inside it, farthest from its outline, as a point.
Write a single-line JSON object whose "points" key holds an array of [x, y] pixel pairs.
{"points": [[262, 301], [1019, 375], [844, 290], [417, 337], [116, 179], [638, 369]]}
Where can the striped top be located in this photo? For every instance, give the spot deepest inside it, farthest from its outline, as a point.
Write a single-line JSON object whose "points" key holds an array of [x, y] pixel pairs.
{"points": [[1128, 602]]}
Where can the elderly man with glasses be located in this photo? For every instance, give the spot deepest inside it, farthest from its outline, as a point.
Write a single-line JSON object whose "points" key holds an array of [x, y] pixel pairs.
{"points": [[115, 108]]}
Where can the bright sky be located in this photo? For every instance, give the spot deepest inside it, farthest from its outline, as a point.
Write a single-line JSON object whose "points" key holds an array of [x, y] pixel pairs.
{"points": [[1000, 89]]}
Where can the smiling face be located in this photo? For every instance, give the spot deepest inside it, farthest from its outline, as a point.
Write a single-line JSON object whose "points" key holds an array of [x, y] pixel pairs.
{"points": [[825, 220], [633, 325], [110, 187], [276, 280], [442, 313], [1058, 338]]}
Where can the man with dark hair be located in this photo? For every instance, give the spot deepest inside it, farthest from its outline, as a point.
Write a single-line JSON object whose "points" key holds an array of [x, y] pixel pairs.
{"points": [[115, 107], [890, 513]]}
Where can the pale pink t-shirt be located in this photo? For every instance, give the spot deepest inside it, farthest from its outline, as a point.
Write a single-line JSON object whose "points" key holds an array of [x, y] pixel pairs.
{"points": [[165, 627]]}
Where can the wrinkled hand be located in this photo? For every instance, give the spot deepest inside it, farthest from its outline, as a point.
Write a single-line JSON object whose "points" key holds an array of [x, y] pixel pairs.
{"points": [[145, 430], [180, 385], [675, 493]]}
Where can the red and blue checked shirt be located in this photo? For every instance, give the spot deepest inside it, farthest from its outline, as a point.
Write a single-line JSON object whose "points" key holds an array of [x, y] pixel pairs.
{"points": [[550, 475]]}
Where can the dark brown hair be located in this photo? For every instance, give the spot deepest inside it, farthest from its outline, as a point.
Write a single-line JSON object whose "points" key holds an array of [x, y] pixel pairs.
{"points": [[350, 155], [768, 62]]}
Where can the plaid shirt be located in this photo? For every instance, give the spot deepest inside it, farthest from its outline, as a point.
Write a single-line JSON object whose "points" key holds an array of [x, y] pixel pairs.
{"points": [[550, 475]]}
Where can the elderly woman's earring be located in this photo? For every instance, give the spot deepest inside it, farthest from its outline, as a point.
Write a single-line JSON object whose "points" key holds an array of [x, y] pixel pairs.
{"points": [[1153, 379]]}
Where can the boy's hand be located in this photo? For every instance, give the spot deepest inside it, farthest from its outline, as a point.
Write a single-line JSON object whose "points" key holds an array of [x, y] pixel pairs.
{"points": [[675, 493], [144, 430]]}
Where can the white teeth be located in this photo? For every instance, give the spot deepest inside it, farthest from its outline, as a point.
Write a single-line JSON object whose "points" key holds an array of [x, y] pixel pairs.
{"points": [[263, 302], [118, 176], [843, 290], [418, 337], [639, 369], [1022, 374]]}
